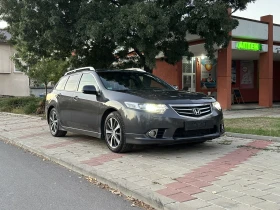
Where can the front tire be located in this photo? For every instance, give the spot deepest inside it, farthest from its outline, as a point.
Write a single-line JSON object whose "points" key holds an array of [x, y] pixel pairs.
{"points": [[54, 124], [114, 133]]}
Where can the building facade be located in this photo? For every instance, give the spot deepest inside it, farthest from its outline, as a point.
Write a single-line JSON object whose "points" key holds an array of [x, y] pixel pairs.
{"points": [[12, 81], [250, 64]]}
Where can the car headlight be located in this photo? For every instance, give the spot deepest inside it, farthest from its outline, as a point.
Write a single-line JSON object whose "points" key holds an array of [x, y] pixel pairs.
{"points": [[217, 105], [152, 108]]}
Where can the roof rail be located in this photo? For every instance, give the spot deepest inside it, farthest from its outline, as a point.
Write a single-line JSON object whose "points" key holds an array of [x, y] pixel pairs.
{"points": [[135, 69], [80, 69]]}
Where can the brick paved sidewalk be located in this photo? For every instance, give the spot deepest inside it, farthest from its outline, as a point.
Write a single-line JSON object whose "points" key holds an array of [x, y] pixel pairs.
{"points": [[228, 173]]}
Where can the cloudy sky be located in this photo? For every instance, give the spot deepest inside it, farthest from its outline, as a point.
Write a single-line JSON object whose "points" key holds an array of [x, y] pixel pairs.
{"points": [[262, 8], [253, 11]]}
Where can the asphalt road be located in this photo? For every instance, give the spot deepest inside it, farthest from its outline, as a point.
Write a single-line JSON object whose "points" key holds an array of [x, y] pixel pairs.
{"points": [[29, 183]]}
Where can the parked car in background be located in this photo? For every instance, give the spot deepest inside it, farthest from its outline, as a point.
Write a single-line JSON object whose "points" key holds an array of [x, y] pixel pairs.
{"points": [[128, 107]]}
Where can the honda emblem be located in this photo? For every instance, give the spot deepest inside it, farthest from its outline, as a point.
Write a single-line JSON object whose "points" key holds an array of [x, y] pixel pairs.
{"points": [[196, 111]]}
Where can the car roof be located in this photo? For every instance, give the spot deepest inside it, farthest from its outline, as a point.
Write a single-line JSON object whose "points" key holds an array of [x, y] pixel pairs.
{"points": [[119, 70], [91, 69]]}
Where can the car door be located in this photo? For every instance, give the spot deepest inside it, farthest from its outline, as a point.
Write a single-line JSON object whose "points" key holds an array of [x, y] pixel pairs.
{"points": [[59, 92], [66, 100], [86, 106]]}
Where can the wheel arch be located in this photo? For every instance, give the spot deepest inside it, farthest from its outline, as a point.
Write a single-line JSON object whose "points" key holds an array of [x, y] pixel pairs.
{"points": [[48, 112], [103, 118]]}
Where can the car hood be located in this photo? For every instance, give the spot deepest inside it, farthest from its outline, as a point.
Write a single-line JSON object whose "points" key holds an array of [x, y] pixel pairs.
{"points": [[155, 95]]}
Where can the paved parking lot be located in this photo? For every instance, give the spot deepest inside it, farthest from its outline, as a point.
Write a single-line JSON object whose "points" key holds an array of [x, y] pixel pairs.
{"points": [[227, 173]]}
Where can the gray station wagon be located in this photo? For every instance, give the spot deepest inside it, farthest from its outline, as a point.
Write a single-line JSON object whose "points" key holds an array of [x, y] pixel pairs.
{"points": [[127, 107]]}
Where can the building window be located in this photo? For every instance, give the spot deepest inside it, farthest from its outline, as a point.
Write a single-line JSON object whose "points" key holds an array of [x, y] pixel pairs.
{"points": [[16, 69]]}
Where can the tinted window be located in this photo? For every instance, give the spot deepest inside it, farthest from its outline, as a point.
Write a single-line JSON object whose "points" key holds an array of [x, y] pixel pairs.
{"points": [[72, 82], [87, 79], [61, 84], [132, 81]]}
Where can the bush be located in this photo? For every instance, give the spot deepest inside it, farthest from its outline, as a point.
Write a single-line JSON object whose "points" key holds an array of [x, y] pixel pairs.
{"points": [[26, 105]]}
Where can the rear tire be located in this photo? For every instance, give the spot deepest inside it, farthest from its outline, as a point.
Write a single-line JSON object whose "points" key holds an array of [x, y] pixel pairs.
{"points": [[114, 133], [54, 124]]}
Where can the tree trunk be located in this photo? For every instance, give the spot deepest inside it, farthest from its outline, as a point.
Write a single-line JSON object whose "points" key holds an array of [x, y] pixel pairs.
{"points": [[142, 60], [147, 69], [46, 89]]}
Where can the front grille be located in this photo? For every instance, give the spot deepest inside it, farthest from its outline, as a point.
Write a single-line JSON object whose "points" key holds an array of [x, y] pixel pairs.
{"points": [[188, 110], [182, 133]]}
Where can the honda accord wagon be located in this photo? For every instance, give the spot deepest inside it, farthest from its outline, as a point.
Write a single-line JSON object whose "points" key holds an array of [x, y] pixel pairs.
{"points": [[128, 107]]}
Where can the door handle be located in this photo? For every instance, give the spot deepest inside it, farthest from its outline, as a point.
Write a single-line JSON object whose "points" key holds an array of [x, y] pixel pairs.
{"points": [[58, 95], [76, 98]]}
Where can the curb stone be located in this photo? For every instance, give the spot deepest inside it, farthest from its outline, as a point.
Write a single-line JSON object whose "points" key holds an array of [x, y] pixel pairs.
{"points": [[147, 196]]}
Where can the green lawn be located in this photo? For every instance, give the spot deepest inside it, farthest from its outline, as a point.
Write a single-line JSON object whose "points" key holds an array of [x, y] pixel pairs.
{"points": [[264, 126]]}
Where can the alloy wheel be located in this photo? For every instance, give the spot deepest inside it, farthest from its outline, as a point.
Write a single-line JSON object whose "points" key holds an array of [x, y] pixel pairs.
{"points": [[53, 122], [113, 132]]}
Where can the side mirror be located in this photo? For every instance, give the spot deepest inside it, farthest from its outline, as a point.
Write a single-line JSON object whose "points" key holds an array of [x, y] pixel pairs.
{"points": [[90, 89]]}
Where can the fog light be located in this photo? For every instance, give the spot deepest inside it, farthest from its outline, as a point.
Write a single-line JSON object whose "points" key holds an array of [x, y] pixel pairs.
{"points": [[153, 133]]}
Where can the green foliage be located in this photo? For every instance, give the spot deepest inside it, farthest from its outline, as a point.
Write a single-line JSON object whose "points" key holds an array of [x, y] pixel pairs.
{"points": [[2, 37], [49, 29], [47, 70], [93, 29], [21, 105]]}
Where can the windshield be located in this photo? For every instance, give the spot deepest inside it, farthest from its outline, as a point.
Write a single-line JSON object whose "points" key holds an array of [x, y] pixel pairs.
{"points": [[124, 81]]}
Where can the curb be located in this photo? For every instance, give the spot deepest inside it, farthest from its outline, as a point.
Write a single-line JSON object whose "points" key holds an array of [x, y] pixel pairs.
{"points": [[156, 201], [250, 136]]}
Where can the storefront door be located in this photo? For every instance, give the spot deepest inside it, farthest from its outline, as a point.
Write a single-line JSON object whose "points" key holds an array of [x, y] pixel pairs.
{"points": [[189, 78]]}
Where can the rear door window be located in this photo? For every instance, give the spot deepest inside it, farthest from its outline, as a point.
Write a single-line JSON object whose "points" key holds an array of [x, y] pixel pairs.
{"points": [[72, 82], [61, 84]]}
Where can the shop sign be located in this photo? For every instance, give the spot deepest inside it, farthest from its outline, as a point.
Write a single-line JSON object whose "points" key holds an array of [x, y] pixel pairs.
{"points": [[249, 46]]}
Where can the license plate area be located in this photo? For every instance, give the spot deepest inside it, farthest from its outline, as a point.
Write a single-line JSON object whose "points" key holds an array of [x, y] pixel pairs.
{"points": [[199, 124]]}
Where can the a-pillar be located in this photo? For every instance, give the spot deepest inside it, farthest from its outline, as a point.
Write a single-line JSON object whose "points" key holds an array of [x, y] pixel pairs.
{"points": [[266, 68], [224, 77]]}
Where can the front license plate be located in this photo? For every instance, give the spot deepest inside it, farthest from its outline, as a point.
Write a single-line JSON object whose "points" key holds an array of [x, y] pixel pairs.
{"points": [[196, 125]]}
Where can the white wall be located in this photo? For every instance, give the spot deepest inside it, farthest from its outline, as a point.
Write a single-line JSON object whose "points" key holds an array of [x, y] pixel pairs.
{"points": [[251, 30], [11, 83]]}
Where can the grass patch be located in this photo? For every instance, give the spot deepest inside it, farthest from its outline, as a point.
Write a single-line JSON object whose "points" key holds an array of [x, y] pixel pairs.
{"points": [[22, 105], [263, 126]]}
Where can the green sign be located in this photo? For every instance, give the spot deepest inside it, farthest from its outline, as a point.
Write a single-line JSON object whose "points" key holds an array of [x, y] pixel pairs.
{"points": [[250, 46]]}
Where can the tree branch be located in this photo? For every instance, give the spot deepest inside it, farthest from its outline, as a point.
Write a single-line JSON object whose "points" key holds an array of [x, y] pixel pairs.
{"points": [[142, 57]]}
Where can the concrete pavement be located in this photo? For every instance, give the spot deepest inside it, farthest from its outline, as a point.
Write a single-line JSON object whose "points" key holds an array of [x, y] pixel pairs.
{"points": [[252, 111], [227, 173]]}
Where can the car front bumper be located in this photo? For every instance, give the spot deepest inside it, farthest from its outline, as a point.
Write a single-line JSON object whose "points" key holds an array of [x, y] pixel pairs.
{"points": [[174, 129]]}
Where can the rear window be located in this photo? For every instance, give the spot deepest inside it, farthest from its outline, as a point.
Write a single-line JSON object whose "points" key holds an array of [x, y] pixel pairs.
{"points": [[61, 84]]}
